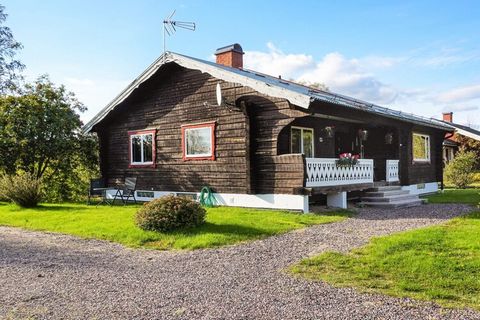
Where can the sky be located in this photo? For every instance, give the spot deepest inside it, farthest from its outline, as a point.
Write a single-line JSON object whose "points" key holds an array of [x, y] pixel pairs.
{"points": [[421, 57]]}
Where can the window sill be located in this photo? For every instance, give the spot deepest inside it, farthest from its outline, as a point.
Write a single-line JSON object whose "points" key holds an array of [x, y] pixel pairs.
{"points": [[210, 158], [422, 162]]}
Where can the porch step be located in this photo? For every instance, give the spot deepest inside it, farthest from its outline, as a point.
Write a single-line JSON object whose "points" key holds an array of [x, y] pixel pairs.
{"points": [[385, 193], [394, 204], [389, 197], [385, 188]]}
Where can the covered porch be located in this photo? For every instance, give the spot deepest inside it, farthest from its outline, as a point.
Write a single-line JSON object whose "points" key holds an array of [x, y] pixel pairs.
{"points": [[323, 139]]}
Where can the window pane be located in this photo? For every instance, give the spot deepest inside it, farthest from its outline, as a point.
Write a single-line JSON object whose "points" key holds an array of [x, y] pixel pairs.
{"points": [[420, 147], [296, 140], [199, 141], [136, 149], [308, 143], [147, 148]]}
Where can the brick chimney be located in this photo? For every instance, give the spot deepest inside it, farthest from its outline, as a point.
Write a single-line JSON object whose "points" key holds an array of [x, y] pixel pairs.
{"points": [[230, 56], [448, 116]]}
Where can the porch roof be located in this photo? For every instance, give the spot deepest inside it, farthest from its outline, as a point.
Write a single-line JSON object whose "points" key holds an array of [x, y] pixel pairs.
{"points": [[297, 94]]}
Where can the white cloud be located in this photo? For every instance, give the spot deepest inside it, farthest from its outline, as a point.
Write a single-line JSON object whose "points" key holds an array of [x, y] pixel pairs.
{"points": [[275, 62], [459, 108], [461, 94], [355, 77], [340, 74]]}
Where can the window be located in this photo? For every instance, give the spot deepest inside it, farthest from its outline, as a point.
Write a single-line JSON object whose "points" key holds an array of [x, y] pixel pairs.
{"points": [[198, 141], [142, 148], [302, 141], [421, 147]]}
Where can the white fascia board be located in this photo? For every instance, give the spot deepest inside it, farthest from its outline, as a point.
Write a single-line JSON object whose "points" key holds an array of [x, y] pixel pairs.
{"points": [[296, 98], [468, 134], [124, 94]]}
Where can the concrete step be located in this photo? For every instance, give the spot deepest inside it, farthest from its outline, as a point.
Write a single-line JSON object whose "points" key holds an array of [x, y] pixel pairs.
{"points": [[385, 193], [399, 197], [394, 204], [385, 188]]}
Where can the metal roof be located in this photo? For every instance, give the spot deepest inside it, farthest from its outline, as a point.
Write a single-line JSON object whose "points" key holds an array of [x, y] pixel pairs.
{"points": [[297, 94]]}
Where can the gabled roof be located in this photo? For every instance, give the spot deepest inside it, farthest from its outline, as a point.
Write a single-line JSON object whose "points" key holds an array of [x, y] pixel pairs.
{"points": [[464, 130], [297, 94]]}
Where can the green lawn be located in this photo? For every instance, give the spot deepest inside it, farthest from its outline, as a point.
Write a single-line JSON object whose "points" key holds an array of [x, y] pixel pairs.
{"points": [[223, 225], [469, 196], [440, 263]]}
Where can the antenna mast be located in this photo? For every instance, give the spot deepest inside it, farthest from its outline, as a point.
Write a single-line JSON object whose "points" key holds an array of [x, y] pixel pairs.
{"points": [[169, 28]]}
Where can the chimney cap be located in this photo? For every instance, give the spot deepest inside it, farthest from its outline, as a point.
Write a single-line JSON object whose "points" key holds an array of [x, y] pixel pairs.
{"points": [[233, 47]]}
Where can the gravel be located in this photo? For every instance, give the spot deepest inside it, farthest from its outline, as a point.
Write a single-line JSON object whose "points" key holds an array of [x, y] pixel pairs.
{"points": [[51, 276]]}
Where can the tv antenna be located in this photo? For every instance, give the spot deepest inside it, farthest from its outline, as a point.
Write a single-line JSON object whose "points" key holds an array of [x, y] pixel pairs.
{"points": [[170, 27]]}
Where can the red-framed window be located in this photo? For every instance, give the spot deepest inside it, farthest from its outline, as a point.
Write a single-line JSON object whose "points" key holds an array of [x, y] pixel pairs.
{"points": [[198, 141], [141, 148]]}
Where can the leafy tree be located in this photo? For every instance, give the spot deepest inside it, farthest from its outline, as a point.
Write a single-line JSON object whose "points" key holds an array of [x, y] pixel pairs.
{"points": [[315, 85], [40, 133], [469, 144], [9, 66], [460, 171]]}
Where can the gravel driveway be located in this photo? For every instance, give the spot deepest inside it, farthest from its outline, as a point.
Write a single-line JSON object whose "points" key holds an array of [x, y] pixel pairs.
{"points": [[62, 277]]}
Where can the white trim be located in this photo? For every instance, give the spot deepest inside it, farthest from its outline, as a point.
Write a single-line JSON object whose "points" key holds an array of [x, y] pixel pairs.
{"points": [[422, 188], [296, 94], [198, 155], [217, 71], [265, 201], [426, 146], [142, 140], [468, 134], [302, 129]]}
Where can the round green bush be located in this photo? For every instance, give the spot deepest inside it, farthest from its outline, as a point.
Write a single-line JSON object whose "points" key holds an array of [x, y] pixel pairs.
{"points": [[170, 213]]}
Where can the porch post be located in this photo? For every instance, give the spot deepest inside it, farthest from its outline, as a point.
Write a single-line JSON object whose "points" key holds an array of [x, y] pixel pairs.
{"points": [[337, 200]]}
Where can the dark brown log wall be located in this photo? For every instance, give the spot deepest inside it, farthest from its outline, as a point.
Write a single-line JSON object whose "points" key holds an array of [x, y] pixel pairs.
{"points": [[176, 96]]}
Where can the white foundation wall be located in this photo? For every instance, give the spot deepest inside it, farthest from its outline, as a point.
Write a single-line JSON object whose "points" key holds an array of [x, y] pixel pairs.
{"points": [[422, 188], [265, 201]]}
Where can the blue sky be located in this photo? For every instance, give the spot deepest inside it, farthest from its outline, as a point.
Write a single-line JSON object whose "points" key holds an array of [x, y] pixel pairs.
{"points": [[416, 56]]}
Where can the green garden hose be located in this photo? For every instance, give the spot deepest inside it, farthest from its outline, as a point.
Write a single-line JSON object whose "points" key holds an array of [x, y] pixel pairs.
{"points": [[207, 198]]}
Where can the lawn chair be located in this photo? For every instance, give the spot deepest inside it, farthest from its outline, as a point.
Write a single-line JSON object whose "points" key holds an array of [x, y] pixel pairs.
{"points": [[127, 190], [95, 190]]}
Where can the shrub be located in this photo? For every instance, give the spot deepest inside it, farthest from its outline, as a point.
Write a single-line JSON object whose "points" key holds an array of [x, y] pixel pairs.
{"points": [[169, 213], [460, 171], [22, 189]]}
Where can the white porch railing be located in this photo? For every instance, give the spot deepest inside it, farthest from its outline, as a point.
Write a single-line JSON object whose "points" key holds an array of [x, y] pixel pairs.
{"points": [[324, 172], [392, 171]]}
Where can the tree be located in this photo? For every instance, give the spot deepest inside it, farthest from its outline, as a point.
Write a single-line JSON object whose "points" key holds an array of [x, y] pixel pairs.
{"points": [[460, 171], [469, 144], [40, 133], [9, 66], [315, 85]]}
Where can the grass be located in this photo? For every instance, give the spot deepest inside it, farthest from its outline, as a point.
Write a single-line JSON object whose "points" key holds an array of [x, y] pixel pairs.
{"points": [[469, 196], [440, 263], [224, 225]]}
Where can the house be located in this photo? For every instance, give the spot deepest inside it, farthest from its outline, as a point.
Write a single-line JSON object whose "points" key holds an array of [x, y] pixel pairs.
{"points": [[257, 140], [451, 143]]}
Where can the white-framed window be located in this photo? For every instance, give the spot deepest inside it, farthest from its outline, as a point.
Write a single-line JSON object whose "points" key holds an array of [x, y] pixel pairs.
{"points": [[302, 141], [142, 148], [198, 141], [421, 147]]}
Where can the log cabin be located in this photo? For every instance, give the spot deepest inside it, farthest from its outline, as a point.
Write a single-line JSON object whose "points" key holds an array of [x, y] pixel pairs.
{"points": [[258, 140]]}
